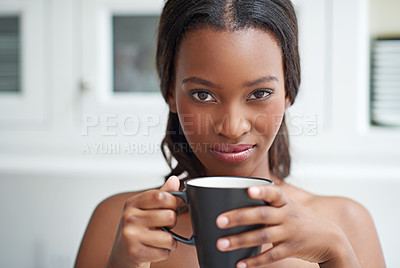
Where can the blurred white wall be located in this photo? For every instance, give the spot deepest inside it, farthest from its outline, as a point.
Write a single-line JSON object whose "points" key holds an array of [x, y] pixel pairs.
{"points": [[49, 185], [43, 217], [384, 19]]}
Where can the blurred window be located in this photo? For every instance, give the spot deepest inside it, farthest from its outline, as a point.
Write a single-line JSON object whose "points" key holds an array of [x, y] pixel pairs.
{"points": [[134, 53], [10, 54]]}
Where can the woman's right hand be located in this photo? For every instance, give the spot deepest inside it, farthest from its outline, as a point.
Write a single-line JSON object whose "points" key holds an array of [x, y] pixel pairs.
{"points": [[139, 240]]}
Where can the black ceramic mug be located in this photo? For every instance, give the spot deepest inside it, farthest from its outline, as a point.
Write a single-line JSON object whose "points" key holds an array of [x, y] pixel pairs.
{"points": [[207, 198]]}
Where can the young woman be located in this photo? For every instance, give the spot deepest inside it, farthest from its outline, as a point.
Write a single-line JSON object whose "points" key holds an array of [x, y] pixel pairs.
{"points": [[229, 70]]}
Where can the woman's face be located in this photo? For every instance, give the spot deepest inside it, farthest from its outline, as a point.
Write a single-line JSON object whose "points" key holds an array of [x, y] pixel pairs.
{"points": [[230, 98]]}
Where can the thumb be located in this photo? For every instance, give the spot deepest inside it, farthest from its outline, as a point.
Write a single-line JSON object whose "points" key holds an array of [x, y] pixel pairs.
{"points": [[172, 184]]}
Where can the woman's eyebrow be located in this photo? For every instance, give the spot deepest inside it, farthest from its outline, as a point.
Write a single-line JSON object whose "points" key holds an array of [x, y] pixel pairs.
{"points": [[264, 79], [198, 80], [201, 81]]}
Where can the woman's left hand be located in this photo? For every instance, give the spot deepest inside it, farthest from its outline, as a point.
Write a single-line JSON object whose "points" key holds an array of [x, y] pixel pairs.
{"points": [[292, 229]]}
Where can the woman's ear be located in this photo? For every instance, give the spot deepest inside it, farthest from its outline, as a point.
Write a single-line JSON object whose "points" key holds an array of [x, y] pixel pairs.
{"points": [[171, 100]]}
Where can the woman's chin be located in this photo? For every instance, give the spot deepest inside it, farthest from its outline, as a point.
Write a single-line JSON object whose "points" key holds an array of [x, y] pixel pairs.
{"points": [[232, 171]]}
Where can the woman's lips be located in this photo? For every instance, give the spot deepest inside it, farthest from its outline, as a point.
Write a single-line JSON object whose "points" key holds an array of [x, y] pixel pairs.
{"points": [[232, 153]]}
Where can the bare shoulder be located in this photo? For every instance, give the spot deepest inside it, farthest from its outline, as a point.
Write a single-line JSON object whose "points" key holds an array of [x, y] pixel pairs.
{"points": [[350, 215], [356, 222], [343, 211], [100, 233], [352, 218]]}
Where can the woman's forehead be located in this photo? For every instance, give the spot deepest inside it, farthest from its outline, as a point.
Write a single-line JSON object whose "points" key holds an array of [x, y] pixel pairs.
{"points": [[239, 51], [214, 37]]}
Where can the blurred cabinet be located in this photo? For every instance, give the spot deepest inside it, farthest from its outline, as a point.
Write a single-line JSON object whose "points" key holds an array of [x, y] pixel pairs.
{"points": [[86, 79], [336, 52], [118, 76], [23, 46]]}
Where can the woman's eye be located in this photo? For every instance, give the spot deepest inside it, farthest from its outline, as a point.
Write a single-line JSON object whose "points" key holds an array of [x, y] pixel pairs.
{"points": [[260, 94], [203, 96]]}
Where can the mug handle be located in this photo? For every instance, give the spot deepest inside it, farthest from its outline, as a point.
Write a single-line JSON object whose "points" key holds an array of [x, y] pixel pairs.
{"points": [[188, 241]]}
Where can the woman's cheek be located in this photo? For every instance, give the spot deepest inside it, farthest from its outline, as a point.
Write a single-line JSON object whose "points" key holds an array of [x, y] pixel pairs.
{"points": [[192, 122], [268, 122]]}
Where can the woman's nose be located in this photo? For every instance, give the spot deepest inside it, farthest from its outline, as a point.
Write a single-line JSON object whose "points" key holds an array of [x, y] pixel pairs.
{"points": [[232, 123]]}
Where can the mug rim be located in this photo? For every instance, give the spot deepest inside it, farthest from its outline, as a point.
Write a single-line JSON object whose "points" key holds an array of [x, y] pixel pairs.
{"points": [[224, 178]]}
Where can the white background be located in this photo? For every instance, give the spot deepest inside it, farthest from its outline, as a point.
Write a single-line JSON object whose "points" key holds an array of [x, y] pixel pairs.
{"points": [[50, 183]]}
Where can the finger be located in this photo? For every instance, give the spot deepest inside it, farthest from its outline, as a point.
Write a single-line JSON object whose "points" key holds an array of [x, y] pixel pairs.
{"points": [[152, 199], [150, 219], [250, 216], [149, 237], [144, 253], [270, 194], [160, 239], [252, 238], [274, 254], [172, 184]]}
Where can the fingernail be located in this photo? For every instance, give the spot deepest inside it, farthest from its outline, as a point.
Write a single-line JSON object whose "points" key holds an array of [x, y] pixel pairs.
{"points": [[241, 265], [255, 190], [223, 243], [222, 221]]}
